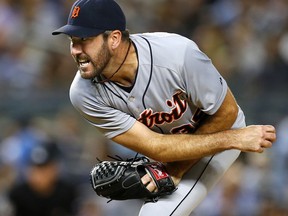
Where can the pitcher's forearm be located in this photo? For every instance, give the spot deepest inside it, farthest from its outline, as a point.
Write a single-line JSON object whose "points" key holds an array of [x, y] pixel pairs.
{"points": [[179, 147], [172, 148]]}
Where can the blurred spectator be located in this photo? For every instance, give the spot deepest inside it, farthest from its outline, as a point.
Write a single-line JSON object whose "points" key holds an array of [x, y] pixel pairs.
{"points": [[243, 190], [15, 148], [279, 166], [43, 192]]}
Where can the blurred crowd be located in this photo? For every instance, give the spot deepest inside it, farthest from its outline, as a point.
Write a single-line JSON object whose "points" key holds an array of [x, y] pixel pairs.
{"points": [[247, 42]]}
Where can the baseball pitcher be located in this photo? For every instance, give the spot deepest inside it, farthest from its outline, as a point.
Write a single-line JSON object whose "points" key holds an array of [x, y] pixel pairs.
{"points": [[159, 95]]}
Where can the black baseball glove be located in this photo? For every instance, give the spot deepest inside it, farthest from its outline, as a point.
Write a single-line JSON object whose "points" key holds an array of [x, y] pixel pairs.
{"points": [[121, 180]]}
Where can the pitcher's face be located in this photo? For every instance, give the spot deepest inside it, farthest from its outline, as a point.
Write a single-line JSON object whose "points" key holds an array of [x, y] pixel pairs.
{"points": [[91, 55]]}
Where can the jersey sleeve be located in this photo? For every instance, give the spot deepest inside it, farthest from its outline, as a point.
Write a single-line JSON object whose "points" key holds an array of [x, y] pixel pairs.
{"points": [[205, 86], [108, 120]]}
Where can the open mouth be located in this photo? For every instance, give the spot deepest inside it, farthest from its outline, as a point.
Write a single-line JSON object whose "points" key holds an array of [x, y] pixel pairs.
{"points": [[83, 63]]}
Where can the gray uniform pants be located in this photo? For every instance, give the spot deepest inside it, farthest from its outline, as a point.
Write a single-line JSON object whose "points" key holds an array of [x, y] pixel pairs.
{"points": [[193, 187]]}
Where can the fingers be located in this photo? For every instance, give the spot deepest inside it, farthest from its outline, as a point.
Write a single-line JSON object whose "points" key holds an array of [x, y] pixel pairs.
{"points": [[266, 144], [149, 183], [269, 128], [258, 137], [260, 150], [270, 133], [269, 136]]}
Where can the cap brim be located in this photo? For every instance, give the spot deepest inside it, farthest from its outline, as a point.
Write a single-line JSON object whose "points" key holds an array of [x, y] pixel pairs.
{"points": [[77, 31]]}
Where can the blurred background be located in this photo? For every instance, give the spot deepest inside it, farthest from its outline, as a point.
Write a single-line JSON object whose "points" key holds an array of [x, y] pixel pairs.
{"points": [[246, 40]]}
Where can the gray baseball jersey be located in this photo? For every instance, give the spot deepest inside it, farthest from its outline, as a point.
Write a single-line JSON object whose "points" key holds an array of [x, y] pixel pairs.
{"points": [[174, 81], [174, 78]]}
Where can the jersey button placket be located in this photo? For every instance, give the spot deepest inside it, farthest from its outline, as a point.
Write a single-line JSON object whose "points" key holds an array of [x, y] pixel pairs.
{"points": [[131, 98], [132, 104]]}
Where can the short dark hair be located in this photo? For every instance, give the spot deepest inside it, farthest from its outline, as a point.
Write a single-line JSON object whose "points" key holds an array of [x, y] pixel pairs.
{"points": [[125, 35]]}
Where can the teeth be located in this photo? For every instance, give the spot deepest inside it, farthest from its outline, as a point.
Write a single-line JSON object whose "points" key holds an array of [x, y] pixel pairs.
{"points": [[83, 62]]}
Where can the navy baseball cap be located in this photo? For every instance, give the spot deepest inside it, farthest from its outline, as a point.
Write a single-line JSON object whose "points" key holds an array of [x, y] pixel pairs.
{"points": [[89, 18], [43, 153]]}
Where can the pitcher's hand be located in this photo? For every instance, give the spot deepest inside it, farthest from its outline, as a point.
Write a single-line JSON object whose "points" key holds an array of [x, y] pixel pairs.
{"points": [[255, 138]]}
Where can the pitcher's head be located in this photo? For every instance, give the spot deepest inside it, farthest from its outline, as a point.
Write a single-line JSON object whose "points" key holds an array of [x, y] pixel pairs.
{"points": [[89, 18]]}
